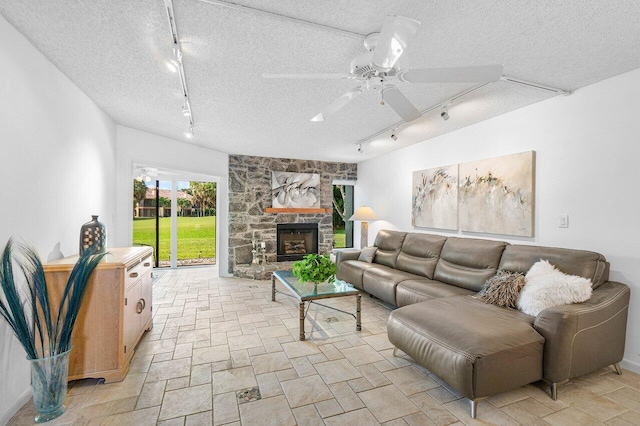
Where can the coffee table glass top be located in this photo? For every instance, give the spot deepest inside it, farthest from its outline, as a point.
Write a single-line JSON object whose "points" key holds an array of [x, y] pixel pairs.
{"points": [[309, 291]]}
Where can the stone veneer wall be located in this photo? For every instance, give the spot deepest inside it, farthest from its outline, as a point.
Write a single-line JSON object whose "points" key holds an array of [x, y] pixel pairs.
{"points": [[250, 195]]}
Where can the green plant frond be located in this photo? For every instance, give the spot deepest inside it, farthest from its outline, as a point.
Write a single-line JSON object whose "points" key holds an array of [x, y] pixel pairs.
{"points": [[31, 316], [77, 287], [68, 290], [14, 311], [34, 274]]}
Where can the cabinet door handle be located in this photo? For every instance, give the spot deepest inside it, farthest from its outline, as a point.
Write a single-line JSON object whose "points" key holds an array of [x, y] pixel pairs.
{"points": [[140, 306], [147, 264], [133, 275]]}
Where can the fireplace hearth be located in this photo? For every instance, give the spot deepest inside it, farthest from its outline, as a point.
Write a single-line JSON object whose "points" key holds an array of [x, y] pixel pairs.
{"points": [[295, 240]]}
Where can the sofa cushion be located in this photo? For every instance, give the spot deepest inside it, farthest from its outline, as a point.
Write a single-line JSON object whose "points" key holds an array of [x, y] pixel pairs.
{"points": [[351, 271], [346, 254], [468, 262], [414, 291], [583, 263], [478, 349], [381, 282], [389, 244], [420, 253]]}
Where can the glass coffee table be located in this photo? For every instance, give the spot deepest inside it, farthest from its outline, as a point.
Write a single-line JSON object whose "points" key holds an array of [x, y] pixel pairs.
{"points": [[310, 292]]}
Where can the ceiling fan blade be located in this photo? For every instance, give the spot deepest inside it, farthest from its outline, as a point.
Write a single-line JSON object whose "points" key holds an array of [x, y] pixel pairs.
{"points": [[309, 76], [396, 33], [338, 103], [400, 104], [479, 74]]}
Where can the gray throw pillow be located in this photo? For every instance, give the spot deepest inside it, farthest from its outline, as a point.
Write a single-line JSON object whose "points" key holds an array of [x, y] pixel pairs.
{"points": [[503, 289], [367, 254]]}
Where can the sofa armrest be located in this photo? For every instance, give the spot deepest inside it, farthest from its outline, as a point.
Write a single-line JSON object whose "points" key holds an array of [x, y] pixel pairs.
{"points": [[584, 337], [346, 254]]}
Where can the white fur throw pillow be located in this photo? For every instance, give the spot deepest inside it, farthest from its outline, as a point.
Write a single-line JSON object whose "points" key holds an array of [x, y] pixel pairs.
{"points": [[545, 286]]}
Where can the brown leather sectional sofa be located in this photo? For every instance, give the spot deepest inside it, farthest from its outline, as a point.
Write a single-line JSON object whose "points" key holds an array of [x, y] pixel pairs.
{"points": [[480, 349]]}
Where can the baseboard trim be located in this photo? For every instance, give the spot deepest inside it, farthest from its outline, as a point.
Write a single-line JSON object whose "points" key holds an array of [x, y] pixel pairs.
{"points": [[630, 365], [16, 406]]}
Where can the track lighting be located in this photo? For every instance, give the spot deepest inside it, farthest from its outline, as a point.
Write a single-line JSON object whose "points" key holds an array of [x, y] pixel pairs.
{"points": [[445, 114], [177, 53], [360, 148], [172, 66], [394, 134], [176, 63]]}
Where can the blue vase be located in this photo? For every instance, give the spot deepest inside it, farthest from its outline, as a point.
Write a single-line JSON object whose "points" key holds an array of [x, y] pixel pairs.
{"points": [[49, 381]]}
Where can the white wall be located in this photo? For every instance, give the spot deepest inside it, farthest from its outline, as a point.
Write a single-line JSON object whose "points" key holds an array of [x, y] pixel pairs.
{"points": [[587, 165], [134, 146], [57, 160]]}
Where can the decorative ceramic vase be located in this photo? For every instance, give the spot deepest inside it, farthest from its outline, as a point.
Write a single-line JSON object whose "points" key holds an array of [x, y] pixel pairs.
{"points": [[93, 233], [49, 380]]}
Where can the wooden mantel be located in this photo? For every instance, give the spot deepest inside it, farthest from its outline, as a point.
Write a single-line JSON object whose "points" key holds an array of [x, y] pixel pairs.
{"points": [[289, 210]]}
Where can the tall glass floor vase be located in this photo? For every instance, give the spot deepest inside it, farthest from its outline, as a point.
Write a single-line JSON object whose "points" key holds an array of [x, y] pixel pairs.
{"points": [[49, 381]]}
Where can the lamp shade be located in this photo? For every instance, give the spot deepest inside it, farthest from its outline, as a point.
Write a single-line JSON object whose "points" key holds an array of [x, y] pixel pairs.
{"points": [[364, 213]]}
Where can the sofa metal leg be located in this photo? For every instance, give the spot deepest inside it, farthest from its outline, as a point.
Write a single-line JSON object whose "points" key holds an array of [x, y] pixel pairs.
{"points": [[618, 368], [473, 407], [554, 391]]}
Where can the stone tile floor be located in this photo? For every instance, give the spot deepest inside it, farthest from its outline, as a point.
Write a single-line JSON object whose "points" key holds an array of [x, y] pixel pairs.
{"points": [[221, 352]]}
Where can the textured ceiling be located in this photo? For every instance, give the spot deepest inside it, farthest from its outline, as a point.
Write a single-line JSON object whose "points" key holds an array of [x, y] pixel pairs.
{"points": [[116, 52]]}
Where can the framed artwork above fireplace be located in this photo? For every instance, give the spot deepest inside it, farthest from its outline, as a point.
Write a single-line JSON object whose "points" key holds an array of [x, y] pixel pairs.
{"points": [[295, 190]]}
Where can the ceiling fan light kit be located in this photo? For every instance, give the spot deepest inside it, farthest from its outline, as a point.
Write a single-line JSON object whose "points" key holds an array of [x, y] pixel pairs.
{"points": [[396, 33]]}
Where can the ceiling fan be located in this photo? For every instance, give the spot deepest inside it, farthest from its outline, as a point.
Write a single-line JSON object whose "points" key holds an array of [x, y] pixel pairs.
{"points": [[378, 70], [147, 173]]}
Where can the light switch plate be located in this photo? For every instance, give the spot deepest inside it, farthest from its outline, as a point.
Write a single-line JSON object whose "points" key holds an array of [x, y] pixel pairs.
{"points": [[563, 221]]}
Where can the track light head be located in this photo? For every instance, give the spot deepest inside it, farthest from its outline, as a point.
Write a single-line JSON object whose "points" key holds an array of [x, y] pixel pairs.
{"points": [[360, 150], [394, 134], [177, 53], [189, 134], [445, 113]]}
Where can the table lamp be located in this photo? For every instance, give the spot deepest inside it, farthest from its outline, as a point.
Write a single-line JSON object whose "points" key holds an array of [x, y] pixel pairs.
{"points": [[364, 214]]}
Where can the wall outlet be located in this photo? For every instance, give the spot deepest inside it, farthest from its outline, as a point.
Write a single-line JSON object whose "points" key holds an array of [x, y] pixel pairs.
{"points": [[563, 221]]}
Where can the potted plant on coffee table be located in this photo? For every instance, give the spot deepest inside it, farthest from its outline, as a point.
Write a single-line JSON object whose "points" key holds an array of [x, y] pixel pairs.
{"points": [[315, 268], [43, 329]]}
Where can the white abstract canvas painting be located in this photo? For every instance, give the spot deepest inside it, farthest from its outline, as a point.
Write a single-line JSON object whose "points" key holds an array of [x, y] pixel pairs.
{"points": [[295, 190], [435, 198], [497, 195]]}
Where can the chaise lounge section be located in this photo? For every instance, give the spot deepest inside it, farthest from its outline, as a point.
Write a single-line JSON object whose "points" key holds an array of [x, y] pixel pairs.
{"points": [[480, 349]]}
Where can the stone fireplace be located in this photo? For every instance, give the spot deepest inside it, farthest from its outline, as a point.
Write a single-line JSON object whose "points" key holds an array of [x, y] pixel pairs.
{"points": [[250, 197], [296, 240]]}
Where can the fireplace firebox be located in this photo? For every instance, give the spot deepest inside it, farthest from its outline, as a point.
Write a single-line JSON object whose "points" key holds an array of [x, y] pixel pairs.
{"points": [[295, 240]]}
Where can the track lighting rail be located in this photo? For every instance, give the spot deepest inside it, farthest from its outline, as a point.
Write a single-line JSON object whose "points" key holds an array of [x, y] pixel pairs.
{"points": [[177, 59], [445, 104]]}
